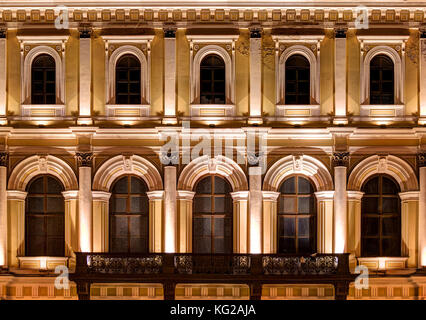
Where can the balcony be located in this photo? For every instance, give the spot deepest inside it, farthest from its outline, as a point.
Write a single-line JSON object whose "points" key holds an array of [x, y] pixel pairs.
{"points": [[251, 269]]}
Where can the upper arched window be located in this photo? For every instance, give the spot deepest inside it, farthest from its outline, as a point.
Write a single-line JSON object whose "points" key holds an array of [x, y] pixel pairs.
{"points": [[382, 85], [381, 218], [129, 213], [212, 80], [297, 216], [212, 216], [128, 80], [43, 80], [45, 217], [297, 80]]}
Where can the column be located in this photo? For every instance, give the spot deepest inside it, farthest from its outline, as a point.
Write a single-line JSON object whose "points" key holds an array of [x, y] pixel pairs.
{"points": [[170, 209], [354, 222], [184, 220], [85, 209], [255, 76], [169, 76], [325, 221], [156, 220], [85, 78], [100, 221], [16, 217], [4, 160], [3, 78], [270, 222], [409, 218], [340, 161], [240, 225], [422, 210], [422, 70], [71, 227], [340, 77], [255, 210]]}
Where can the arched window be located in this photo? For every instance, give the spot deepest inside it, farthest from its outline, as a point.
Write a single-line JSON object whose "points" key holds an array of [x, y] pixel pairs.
{"points": [[212, 80], [381, 218], [297, 80], [297, 216], [129, 212], [381, 80], [212, 216], [128, 80], [45, 217], [43, 80]]}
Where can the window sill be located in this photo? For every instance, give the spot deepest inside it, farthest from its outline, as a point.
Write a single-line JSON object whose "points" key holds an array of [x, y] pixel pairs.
{"points": [[42, 263], [43, 110], [383, 263], [375, 111], [127, 110], [212, 110], [298, 110]]}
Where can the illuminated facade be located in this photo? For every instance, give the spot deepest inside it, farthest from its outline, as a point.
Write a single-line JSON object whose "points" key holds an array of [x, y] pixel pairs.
{"points": [[90, 94]]}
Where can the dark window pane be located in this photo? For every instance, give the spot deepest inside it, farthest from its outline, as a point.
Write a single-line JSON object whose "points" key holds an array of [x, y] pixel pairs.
{"points": [[289, 205], [204, 186], [35, 204], [121, 186], [212, 78], [297, 80], [305, 205], [303, 227], [128, 80], [371, 247], [289, 186], [304, 245], [55, 204], [289, 226], [389, 187], [370, 205], [119, 205], [287, 245], [305, 186], [43, 82], [381, 80], [390, 227], [371, 226], [202, 205]]}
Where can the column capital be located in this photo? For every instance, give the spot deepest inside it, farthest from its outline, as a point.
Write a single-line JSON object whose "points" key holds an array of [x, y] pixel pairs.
{"points": [[355, 195], [100, 195], [185, 195], [70, 195], [340, 159], [324, 195], [340, 33], [421, 159], [240, 195], [155, 195], [409, 196], [16, 195], [169, 32], [84, 159], [4, 159], [270, 195], [255, 33]]}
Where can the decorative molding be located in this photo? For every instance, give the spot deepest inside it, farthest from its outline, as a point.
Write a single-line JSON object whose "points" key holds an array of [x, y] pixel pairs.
{"points": [[325, 195], [4, 159], [397, 168], [421, 159], [240, 195], [340, 159], [185, 195], [101, 196], [120, 165], [256, 33], [70, 195], [205, 165], [155, 195], [270, 196], [84, 159], [298, 164], [409, 196], [16, 195], [355, 195]]}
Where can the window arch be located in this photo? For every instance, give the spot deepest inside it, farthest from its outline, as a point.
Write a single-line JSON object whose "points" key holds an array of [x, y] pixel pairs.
{"points": [[212, 216], [381, 217], [297, 216], [43, 80], [297, 80], [212, 80], [129, 215], [382, 82], [128, 80], [45, 217]]}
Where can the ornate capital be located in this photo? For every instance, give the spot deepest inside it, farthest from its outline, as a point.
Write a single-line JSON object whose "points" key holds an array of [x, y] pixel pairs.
{"points": [[169, 33], [85, 33], [340, 33], [169, 158], [256, 33], [421, 159], [84, 159], [4, 159], [340, 159], [254, 158]]}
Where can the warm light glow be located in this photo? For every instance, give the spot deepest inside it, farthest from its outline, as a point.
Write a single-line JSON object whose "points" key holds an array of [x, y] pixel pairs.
{"points": [[169, 121], [43, 263], [423, 257], [340, 121], [84, 121], [2, 255]]}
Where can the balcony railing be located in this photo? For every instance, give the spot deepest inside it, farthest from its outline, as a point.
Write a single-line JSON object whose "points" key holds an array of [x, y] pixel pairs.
{"points": [[251, 269]]}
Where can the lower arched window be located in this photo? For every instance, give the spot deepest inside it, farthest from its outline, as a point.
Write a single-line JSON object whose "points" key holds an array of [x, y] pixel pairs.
{"points": [[297, 216], [212, 216], [129, 212], [381, 218], [45, 218]]}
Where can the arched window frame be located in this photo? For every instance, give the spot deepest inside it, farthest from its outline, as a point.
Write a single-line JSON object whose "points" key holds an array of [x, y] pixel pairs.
{"points": [[31, 47], [309, 47], [115, 48], [394, 48], [224, 47]]}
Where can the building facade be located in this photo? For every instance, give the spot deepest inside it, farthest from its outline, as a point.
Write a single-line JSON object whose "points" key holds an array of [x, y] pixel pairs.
{"points": [[219, 130]]}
